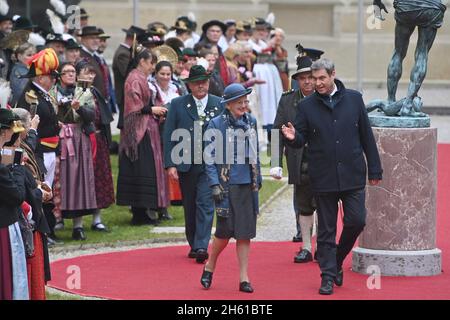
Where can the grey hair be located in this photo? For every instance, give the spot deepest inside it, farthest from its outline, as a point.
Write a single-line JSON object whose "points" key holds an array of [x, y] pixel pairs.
{"points": [[25, 117], [323, 63]]}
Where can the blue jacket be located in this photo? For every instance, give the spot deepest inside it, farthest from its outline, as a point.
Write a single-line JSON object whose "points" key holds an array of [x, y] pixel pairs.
{"points": [[338, 132], [183, 114], [223, 170]]}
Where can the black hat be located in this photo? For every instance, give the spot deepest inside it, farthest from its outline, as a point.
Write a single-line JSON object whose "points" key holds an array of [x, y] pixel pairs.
{"points": [[23, 23], [211, 23], [197, 73], [183, 24], [103, 34], [72, 44], [260, 23], [303, 65], [148, 38], [9, 120], [314, 54], [54, 37], [133, 30], [5, 18], [89, 31]]}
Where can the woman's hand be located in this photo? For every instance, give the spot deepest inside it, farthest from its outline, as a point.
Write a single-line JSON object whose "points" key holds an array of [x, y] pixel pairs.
{"points": [[35, 122], [159, 111], [75, 105], [172, 172]]}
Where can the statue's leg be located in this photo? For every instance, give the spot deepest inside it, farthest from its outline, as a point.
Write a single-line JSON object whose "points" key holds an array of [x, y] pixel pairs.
{"points": [[419, 71], [394, 73]]}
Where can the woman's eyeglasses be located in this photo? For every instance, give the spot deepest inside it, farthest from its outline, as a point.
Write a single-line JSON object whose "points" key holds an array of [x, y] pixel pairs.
{"points": [[68, 72]]}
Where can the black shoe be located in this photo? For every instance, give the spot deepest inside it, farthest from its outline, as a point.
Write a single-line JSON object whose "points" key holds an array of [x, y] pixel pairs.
{"points": [[245, 286], [59, 226], [100, 227], [303, 256], [136, 222], [201, 256], [339, 280], [164, 214], [206, 278], [297, 237], [78, 234], [192, 254], [51, 242], [326, 287]]}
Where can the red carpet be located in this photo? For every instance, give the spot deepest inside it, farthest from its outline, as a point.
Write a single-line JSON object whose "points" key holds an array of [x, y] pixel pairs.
{"points": [[167, 273]]}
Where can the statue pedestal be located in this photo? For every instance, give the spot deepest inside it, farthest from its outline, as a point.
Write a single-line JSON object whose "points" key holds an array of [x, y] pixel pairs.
{"points": [[379, 119], [400, 232]]}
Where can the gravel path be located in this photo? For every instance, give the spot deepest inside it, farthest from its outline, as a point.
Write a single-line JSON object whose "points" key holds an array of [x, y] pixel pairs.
{"points": [[277, 219]]}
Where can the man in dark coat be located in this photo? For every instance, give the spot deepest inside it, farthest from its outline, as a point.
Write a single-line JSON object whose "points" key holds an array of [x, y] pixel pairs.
{"points": [[297, 159], [90, 42], [189, 115], [334, 123], [121, 60]]}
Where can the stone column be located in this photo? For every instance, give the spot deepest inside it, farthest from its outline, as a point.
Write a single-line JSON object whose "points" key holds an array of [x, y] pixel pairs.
{"points": [[400, 232]]}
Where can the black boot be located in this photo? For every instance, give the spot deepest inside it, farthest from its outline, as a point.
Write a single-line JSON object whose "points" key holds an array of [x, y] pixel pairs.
{"points": [[326, 287], [164, 214]]}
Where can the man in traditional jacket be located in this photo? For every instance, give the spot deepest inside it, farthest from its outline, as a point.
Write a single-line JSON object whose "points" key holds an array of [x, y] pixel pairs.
{"points": [[297, 162], [190, 114], [36, 99]]}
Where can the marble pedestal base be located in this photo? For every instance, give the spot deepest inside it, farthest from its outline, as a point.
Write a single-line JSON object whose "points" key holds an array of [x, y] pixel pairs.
{"points": [[400, 232], [398, 263]]}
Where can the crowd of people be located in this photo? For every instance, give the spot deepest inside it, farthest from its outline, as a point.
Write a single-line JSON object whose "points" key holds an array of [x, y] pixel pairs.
{"points": [[57, 125]]}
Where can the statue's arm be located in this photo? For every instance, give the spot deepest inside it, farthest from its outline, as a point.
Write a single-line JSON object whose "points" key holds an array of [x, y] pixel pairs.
{"points": [[378, 6]]}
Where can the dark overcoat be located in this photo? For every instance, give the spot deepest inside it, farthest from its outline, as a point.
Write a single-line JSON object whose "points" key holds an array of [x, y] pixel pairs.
{"points": [[338, 134]]}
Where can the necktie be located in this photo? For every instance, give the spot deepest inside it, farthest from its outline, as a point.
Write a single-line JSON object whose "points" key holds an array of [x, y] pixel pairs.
{"points": [[200, 108]]}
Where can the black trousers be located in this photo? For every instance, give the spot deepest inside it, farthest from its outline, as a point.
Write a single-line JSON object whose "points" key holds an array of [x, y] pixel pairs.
{"points": [[330, 255]]}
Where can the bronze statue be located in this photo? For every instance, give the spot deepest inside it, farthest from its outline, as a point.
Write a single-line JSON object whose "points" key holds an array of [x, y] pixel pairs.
{"points": [[427, 16]]}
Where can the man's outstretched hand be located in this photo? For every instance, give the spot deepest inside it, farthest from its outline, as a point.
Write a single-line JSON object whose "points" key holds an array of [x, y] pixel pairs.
{"points": [[289, 131]]}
